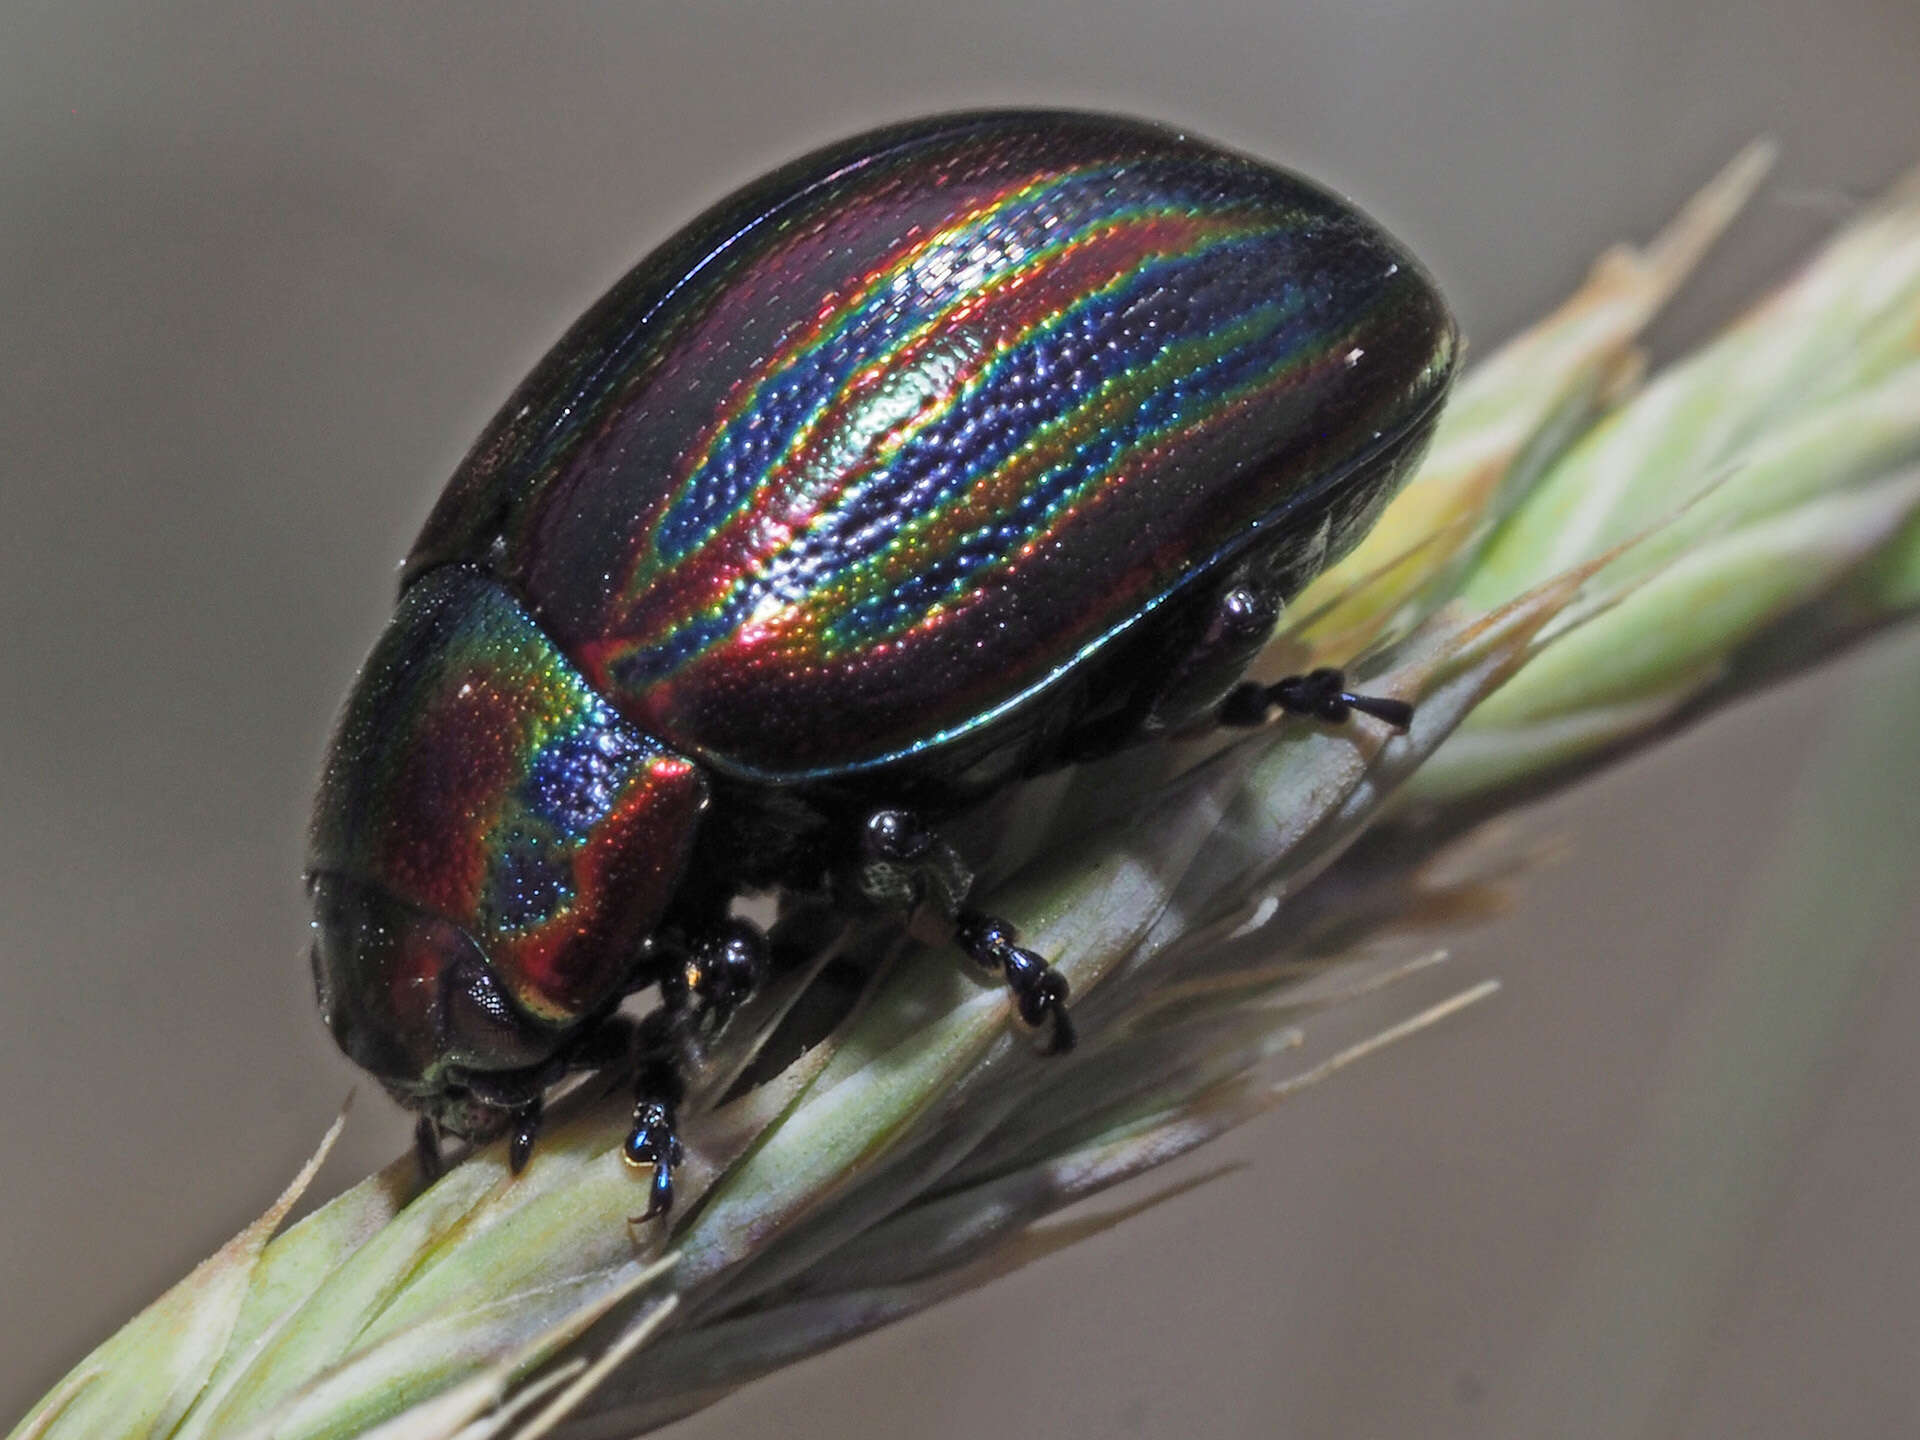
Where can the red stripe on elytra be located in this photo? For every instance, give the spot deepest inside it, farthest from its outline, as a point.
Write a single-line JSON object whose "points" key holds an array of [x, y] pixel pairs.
{"points": [[902, 656]]}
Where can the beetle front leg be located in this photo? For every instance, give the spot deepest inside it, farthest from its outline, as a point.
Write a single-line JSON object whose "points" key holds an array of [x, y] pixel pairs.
{"points": [[907, 863], [654, 1142], [701, 985], [526, 1129], [658, 1048], [517, 1099], [1321, 694], [426, 1150], [719, 970]]}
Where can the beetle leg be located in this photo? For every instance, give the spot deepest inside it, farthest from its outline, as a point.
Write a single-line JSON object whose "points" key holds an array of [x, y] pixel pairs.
{"points": [[1238, 626], [514, 1096], [1038, 988], [654, 1141], [908, 864], [720, 971], [526, 1129], [426, 1149], [905, 863], [1321, 694]]}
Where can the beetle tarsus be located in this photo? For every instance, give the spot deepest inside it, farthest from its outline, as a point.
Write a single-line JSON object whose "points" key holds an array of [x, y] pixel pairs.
{"points": [[1319, 695], [1039, 990], [653, 1143]]}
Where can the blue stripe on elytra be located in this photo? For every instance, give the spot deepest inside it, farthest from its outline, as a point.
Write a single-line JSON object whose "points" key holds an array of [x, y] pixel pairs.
{"points": [[1246, 366], [662, 656], [755, 439], [1109, 334], [1104, 336], [1100, 361]]}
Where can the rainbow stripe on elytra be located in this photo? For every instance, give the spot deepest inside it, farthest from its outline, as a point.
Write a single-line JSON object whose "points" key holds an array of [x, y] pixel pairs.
{"points": [[863, 525], [1026, 242], [878, 450]]}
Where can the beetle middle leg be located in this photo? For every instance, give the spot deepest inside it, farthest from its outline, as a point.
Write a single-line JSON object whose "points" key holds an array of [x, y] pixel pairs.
{"points": [[905, 863]]}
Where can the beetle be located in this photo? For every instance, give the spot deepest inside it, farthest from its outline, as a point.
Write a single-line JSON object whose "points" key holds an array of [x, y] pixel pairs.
{"points": [[947, 455]]}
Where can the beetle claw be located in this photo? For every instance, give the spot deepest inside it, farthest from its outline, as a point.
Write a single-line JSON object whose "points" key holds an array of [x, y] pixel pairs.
{"points": [[660, 1193], [1064, 1035], [1397, 713]]}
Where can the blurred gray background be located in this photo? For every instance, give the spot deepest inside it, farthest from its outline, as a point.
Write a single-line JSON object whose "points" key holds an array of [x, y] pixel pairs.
{"points": [[264, 271]]}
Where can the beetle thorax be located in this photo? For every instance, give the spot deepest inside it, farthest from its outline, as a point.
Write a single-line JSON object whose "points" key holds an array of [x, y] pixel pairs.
{"points": [[492, 844]]}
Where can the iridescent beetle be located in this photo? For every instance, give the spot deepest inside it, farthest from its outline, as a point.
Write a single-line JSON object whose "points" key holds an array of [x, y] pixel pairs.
{"points": [[941, 457]]}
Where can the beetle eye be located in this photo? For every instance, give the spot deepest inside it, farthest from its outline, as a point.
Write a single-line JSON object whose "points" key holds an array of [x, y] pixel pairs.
{"points": [[482, 1029]]}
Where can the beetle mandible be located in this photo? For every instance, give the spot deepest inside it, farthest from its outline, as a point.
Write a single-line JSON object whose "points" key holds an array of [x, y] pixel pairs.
{"points": [[947, 455]]}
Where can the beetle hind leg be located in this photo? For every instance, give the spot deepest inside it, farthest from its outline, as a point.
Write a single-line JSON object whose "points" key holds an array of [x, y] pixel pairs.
{"points": [[1205, 681], [1239, 621], [907, 864], [1320, 694]]}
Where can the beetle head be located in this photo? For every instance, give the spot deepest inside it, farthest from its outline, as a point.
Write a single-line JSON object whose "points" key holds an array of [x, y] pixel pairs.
{"points": [[491, 849], [411, 1000]]}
